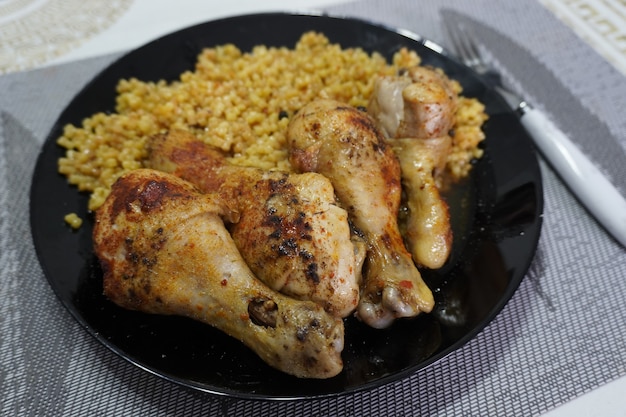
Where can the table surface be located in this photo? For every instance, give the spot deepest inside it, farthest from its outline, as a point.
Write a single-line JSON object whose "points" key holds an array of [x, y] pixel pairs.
{"points": [[111, 27]]}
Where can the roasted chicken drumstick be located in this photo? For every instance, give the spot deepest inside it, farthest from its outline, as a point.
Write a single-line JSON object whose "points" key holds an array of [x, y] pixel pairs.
{"points": [[416, 111], [343, 144], [290, 231], [164, 250]]}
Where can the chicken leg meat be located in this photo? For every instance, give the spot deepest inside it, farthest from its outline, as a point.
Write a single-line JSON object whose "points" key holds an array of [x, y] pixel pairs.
{"points": [[164, 250], [416, 112], [290, 231], [343, 144]]}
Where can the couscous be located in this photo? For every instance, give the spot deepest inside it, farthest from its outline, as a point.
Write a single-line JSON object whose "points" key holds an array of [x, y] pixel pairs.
{"points": [[241, 103]]}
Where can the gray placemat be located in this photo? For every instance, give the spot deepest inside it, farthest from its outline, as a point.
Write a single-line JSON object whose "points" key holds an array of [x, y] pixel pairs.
{"points": [[562, 334]]}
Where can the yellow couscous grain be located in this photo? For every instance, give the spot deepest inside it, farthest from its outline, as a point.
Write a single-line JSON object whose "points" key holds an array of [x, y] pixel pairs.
{"points": [[73, 220]]}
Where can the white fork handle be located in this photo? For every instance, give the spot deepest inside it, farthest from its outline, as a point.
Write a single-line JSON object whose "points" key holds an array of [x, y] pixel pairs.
{"points": [[586, 181]]}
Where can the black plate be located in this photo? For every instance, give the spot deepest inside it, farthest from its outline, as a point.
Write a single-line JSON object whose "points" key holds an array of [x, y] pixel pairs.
{"points": [[496, 217]]}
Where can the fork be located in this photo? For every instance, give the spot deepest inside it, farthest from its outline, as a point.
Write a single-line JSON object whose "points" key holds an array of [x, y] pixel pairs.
{"points": [[468, 52], [585, 180]]}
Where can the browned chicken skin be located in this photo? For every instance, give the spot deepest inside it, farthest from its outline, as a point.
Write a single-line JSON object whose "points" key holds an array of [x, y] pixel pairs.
{"points": [[164, 250], [290, 231], [416, 111], [428, 231], [343, 144]]}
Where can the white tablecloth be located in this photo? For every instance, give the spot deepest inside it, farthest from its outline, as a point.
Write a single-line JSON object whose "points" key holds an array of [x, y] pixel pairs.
{"points": [[32, 34]]}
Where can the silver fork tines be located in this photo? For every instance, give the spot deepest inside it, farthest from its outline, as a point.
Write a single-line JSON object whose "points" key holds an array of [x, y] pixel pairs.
{"points": [[467, 50]]}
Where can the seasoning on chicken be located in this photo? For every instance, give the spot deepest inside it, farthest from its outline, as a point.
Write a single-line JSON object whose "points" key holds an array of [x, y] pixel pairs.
{"points": [[343, 144], [427, 231], [419, 103], [290, 231], [164, 250], [416, 111]]}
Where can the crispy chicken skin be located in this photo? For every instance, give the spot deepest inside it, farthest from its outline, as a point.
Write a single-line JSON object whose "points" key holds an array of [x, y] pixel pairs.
{"points": [[343, 144], [290, 231], [164, 250], [416, 111]]}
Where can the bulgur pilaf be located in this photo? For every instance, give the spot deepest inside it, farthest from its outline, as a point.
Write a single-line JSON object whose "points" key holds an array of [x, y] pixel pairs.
{"points": [[242, 104]]}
